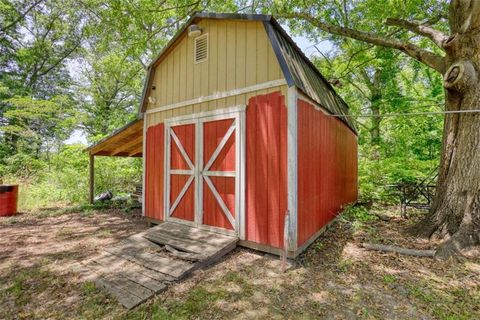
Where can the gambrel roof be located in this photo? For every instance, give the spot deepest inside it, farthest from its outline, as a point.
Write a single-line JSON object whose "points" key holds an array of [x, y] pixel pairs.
{"points": [[297, 69]]}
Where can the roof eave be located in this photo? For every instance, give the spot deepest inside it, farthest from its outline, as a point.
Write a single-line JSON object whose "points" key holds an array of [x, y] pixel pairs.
{"points": [[114, 133]]}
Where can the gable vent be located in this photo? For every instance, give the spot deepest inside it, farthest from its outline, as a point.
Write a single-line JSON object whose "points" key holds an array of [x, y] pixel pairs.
{"points": [[201, 48]]}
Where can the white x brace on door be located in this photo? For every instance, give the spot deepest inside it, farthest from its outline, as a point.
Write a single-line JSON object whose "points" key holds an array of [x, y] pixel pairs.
{"points": [[205, 170]]}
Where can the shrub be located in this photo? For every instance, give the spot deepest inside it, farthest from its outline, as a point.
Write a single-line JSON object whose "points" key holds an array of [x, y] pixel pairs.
{"points": [[64, 179]]}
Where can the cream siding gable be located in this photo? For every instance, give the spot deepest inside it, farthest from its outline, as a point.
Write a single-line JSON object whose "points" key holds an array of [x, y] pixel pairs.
{"points": [[240, 55]]}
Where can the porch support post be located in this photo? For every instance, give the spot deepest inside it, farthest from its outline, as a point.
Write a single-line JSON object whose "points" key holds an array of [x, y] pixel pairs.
{"points": [[92, 179]]}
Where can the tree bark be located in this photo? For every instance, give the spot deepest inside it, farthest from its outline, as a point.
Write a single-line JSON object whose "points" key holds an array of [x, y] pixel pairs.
{"points": [[455, 214], [376, 101], [375, 96]]}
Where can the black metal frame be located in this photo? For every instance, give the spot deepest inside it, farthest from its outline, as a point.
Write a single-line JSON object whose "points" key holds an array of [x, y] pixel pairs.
{"points": [[417, 195]]}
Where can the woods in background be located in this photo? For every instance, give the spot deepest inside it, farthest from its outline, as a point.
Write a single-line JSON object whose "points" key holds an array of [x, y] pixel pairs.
{"points": [[79, 66], [75, 67]]}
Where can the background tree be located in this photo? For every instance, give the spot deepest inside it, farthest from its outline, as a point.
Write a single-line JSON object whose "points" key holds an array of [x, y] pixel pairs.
{"points": [[124, 36], [77, 66], [421, 30], [37, 40]]}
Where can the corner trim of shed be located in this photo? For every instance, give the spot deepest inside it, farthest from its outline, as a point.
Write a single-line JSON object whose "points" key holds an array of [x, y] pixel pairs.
{"points": [[292, 175]]}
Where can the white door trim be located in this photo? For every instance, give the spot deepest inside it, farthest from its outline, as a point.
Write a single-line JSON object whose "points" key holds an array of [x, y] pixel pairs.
{"points": [[200, 173], [180, 195], [218, 114], [219, 173], [182, 150], [169, 134]]}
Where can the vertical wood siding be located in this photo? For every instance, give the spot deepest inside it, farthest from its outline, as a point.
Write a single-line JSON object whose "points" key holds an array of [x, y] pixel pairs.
{"points": [[213, 133], [186, 207], [266, 168], [154, 172], [327, 169], [239, 55]]}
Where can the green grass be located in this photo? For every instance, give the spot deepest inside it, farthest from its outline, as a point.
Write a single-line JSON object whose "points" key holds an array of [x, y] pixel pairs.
{"points": [[84, 210], [358, 213], [455, 303], [344, 265], [24, 281], [389, 279], [38, 285], [28, 290], [199, 302]]}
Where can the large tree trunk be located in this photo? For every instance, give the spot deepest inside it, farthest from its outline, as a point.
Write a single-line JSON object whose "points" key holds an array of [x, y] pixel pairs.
{"points": [[455, 214], [375, 133], [375, 97], [376, 101]]}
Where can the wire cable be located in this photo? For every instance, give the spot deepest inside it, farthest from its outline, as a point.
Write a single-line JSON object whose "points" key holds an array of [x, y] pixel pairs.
{"points": [[404, 114]]}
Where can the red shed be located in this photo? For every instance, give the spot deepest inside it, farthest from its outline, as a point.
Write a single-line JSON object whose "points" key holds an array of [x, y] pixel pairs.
{"points": [[239, 137]]}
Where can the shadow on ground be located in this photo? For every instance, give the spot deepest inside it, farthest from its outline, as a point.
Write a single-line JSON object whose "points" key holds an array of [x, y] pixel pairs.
{"points": [[334, 279]]}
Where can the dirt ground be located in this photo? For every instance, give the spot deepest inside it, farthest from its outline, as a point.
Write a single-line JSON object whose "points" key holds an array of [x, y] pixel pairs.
{"points": [[334, 279]]}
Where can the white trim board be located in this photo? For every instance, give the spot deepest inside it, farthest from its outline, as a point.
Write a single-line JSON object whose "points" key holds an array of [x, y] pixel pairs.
{"points": [[144, 157], [315, 104], [292, 168], [200, 172], [220, 95], [218, 114]]}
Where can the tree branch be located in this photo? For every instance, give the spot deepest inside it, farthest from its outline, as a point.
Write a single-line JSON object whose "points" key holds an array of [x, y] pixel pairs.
{"points": [[400, 250], [60, 60], [420, 28], [430, 59], [21, 16]]}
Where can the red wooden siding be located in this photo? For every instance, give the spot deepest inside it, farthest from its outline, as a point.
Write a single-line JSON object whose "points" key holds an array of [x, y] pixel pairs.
{"points": [[186, 207], [327, 169], [266, 166], [154, 175], [213, 133]]}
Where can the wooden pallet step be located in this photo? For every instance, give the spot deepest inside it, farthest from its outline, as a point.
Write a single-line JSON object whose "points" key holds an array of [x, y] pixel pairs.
{"points": [[169, 266], [137, 241], [123, 295], [198, 248], [128, 285], [218, 255], [119, 266], [183, 255], [190, 233], [161, 277], [144, 264]]}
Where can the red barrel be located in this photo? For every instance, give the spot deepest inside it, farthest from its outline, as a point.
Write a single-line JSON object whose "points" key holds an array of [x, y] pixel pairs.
{"points": [[8, 200]]}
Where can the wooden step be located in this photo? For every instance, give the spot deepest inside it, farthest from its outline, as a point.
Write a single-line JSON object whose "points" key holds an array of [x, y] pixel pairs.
{"points": [[201, 242], [161, 263], [144, 264]]}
